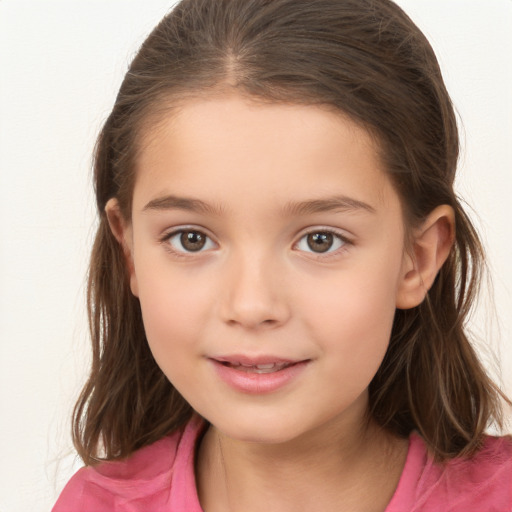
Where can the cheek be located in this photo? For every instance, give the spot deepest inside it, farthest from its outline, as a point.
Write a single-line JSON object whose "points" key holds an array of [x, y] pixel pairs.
{"points": [[175, 309], [173, 321], [353, 312], [355, 338]]}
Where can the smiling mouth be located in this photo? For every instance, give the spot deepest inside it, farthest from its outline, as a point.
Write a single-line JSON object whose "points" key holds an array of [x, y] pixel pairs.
{"points": [[257, 368], [258, 375]]}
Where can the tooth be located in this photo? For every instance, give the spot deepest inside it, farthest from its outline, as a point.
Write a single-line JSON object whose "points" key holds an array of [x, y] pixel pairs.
{"points": [[264, 370], [265, 366]]}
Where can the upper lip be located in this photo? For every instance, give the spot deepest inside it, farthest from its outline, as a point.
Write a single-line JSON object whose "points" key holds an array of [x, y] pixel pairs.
{"points": [[255, 360]]}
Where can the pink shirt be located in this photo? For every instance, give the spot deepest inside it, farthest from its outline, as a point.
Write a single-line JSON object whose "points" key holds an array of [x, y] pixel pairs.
{"points": [[160, 478]]}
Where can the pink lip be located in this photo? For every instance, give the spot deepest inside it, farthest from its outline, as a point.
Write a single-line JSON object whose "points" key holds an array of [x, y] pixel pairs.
{"points": [[253, 361], [248, 381]]}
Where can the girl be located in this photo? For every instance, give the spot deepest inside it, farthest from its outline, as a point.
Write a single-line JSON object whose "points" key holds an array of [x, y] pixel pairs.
{"points": [[281, 275]]}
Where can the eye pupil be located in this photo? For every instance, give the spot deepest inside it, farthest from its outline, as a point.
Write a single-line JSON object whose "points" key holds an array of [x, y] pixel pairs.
{"points": [[320, 242], [193, 240]]}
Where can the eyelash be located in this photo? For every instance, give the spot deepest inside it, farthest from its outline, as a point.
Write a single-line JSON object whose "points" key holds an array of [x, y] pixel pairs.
{"points": [[342, 240], [167, 238]]}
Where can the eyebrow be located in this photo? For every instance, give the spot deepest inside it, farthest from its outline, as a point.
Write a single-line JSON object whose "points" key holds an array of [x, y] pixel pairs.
{"points": [[170, 202], [340, 203]]}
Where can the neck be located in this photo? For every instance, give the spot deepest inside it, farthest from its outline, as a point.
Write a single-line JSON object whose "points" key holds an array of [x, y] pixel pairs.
{"points": [[358, 466]]}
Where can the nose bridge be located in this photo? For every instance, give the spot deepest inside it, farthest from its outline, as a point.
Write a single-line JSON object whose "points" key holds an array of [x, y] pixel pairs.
{"points": [[255, 295]]}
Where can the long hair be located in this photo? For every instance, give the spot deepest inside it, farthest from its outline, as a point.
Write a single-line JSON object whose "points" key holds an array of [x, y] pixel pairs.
{"points": [[365, 59]]}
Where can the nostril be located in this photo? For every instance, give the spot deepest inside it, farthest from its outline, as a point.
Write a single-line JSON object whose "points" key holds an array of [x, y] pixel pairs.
{"points": [[253, 323]]}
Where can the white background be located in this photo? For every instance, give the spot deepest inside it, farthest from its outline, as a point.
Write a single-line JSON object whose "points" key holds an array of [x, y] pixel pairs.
{"points": [[61, 64]]}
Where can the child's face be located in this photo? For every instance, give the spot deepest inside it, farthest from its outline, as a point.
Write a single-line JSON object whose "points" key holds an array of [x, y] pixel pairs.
{"points": [[266, 234]]}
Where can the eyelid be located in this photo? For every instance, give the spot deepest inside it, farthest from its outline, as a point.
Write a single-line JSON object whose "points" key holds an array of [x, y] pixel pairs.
{"points": [[338, 233], [172, 232]]}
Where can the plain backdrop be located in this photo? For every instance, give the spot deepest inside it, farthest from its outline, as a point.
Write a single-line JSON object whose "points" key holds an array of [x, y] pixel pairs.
{"points": [[61, 64]]}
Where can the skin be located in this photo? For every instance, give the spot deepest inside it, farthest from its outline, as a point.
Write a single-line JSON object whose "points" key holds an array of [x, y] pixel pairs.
{"points": [[267, 175]]}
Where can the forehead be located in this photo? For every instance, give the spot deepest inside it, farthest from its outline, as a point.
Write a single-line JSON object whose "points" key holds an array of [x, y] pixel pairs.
{"points": [[232, 147]]}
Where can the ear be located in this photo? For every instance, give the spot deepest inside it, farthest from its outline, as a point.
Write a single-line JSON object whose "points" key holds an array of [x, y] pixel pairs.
{"points": [[431, 245], [122, 231]]}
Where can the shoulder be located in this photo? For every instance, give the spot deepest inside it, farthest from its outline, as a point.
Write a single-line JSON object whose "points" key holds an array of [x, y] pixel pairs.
{"points": [[144, 478], [482, 483]]}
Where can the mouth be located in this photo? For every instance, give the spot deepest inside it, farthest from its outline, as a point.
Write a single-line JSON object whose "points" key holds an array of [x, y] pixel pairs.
{"points": [[257, 368], [258, 375]]}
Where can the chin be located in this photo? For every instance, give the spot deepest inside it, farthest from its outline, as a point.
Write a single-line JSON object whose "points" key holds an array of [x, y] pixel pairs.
{"points": [[261, 430]]}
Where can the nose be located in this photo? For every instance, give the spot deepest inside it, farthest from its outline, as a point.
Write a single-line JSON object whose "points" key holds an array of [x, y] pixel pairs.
{"points": [[255, 295]]}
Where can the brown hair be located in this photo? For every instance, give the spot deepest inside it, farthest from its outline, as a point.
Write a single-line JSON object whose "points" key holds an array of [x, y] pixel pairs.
{"points": [[366, 59]]}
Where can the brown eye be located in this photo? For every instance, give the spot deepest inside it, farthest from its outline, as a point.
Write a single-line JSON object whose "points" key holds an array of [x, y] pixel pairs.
{"points": [[320, 242], [192, 240], [189, 240]]}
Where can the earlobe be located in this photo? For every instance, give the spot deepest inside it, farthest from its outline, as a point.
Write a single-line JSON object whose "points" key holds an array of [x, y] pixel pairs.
{"points": [[122, 231], [431, 245]]}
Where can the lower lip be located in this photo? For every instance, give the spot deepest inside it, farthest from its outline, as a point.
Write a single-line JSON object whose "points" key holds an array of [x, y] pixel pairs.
{"points": [[258, 383]]}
